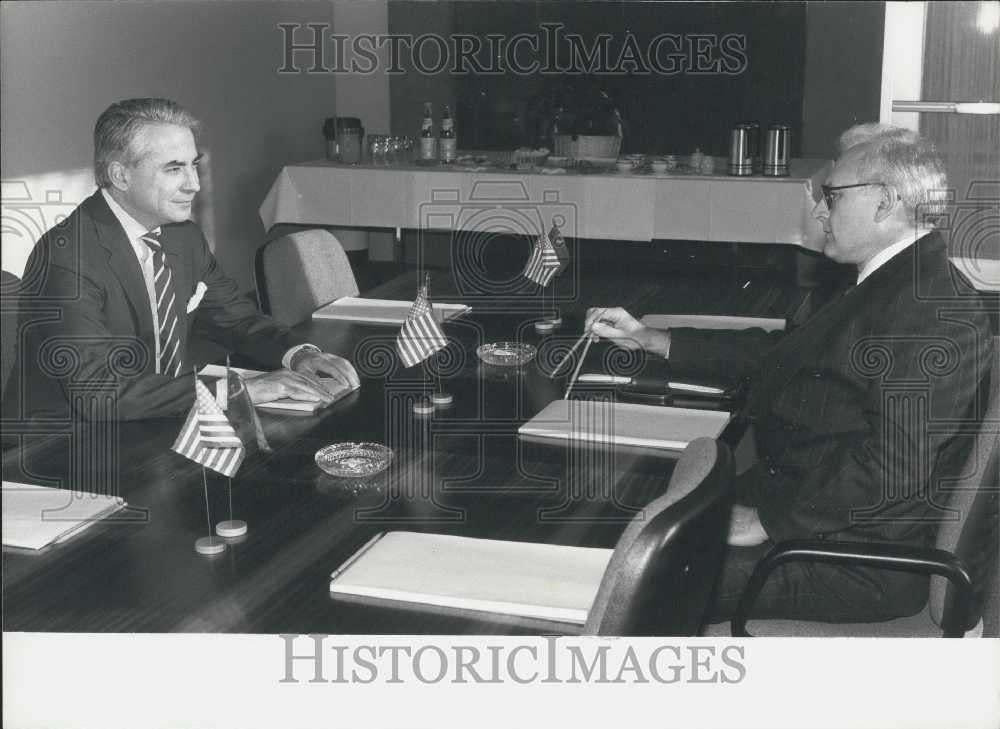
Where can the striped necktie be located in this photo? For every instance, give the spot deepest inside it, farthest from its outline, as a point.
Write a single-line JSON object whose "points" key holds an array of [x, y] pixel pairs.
{"points": [[170, 339]]}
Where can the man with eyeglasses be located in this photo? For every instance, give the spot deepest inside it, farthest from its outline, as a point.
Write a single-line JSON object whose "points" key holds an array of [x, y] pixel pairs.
{"points": [[857, 412]]}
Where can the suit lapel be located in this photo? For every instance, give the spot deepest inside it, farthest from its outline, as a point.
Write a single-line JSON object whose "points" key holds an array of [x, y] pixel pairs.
{"points": [[122, 262]]}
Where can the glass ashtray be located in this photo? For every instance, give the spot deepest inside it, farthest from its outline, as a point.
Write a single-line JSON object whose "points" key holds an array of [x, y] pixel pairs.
{"points": [[506, 354], [353, 460]]}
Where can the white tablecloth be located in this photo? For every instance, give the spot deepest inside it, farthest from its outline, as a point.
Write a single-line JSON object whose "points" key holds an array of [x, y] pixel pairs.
{"points": [[621, 207]]}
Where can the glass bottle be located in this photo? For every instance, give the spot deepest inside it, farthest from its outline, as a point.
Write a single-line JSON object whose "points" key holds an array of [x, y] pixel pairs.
{"points": [[448, 144], [428, 142]]}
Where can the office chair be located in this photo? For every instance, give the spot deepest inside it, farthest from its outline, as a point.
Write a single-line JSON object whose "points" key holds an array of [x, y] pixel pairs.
{"points": [[9, 328], [301, 272], [663, 569], [9, 309], [962, 564]]}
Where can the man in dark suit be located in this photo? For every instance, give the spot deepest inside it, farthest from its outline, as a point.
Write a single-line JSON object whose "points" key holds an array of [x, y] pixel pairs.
{"points": [[856, 413], [112, 296]]}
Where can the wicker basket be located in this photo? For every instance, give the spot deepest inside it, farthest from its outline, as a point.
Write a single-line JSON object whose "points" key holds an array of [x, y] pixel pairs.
{"points": [[583, 146]]}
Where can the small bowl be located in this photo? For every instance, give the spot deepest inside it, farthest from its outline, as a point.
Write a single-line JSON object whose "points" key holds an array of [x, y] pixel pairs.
{"points": [[353, 460], [659, 166], [623, 166], [506, 354]]}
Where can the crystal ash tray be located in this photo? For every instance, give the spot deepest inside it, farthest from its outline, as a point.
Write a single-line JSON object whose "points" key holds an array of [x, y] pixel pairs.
{"points": [[353, 460], [506, 354]]}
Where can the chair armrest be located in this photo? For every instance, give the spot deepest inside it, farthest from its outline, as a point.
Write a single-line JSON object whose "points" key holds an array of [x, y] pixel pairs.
{"points": [[879, 555]]}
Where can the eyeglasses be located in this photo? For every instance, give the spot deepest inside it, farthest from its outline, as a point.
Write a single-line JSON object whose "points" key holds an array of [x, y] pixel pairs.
{"points": [[828, 191]]}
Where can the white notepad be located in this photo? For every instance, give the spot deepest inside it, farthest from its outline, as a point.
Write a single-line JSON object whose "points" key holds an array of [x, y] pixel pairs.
{"points": [[547, 581], [653, 426], [35, 516], [711, 321], [381, 311], [285, 403]]}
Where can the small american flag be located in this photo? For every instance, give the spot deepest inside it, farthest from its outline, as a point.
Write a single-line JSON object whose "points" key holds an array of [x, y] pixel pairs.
{"points": [[208, 437], [421, 335], [543, 262]]}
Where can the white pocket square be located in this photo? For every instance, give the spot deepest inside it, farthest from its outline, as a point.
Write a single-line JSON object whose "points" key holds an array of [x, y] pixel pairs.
{"points": [[195, 299]]}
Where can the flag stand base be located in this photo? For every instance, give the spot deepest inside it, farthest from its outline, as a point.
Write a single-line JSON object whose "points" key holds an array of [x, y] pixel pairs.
{"points": [[423, 406], [553, 315], [210, 546], [231, 528], [442, 399]]}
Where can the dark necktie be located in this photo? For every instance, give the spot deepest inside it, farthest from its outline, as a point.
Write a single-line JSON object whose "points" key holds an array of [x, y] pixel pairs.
{"points": [[163, 283]]}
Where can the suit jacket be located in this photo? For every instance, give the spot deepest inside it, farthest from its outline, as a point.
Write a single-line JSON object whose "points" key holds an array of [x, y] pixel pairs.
{"points": [[87, 328], [857, 412]]}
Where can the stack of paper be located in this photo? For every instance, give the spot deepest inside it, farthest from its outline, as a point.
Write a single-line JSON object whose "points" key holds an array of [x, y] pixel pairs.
{"points": [[381, 311], [709, 321], [600, 421], [547, 581], [34, 516]]}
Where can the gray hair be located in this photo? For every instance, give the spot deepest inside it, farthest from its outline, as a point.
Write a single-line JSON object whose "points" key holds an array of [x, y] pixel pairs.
{"points": [[121, 123], [903, 159]]}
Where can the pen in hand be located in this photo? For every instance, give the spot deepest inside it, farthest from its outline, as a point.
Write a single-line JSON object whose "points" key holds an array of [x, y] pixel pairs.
{"points": [[591, 338], [587, 333], [572, 380]]}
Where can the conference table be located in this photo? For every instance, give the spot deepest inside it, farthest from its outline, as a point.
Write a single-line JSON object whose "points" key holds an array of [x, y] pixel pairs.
{"points": [[461, 471]]}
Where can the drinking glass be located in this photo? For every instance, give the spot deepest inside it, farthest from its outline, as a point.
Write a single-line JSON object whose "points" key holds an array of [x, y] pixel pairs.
{"points": [[379, 149]]}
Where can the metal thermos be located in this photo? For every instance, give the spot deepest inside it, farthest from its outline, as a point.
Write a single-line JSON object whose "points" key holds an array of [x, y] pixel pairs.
{"points": [[753, 134], [740, 158], [330, 133], [776, 151]]}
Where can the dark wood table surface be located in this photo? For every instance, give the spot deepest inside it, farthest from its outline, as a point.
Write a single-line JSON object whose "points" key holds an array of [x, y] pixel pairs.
{"points": [[461, 471]]}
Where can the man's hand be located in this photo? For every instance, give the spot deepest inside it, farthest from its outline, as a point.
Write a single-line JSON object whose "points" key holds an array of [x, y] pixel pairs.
{"points": [[745, 529], [321, 364], [624, 330], [285, 383]]}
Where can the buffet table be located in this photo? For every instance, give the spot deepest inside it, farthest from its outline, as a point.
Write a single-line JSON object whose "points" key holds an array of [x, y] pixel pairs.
{"points": [[609, 205]]}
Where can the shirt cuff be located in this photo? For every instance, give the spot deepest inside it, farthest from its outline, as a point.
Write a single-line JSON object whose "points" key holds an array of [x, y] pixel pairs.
{"points": [[286, 361]]}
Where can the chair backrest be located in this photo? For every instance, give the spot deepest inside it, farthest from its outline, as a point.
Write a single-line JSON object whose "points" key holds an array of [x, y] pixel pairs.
{"points": [[9, 311], [973, 534], [664, 568], [302, 272]]}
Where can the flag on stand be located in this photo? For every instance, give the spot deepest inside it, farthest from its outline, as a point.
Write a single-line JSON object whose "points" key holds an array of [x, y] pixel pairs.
{"points": [[420, 335], [241, 413], [559, 243], [208, 437], [543, 262]]}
